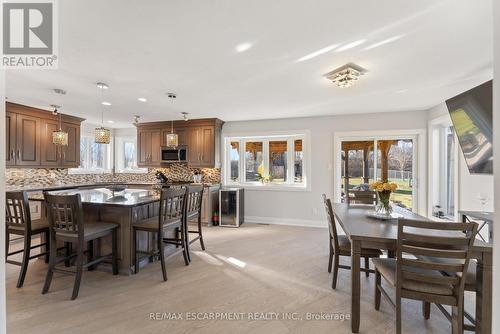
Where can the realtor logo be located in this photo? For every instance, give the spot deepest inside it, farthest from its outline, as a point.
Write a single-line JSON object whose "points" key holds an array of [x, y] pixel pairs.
{"points": [[29, 34]]}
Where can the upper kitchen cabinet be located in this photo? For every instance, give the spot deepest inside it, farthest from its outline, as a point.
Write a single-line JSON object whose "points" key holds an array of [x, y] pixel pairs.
{"points": [[201, 136], [149, 143], [29, 138]]}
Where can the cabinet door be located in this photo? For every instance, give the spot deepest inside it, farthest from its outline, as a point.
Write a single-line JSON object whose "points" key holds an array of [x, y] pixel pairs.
{"points": [[155, 148], [194, 147], [144, 146], [50, 153], [71, 153], [28, 141], [10, 139], [207, 147]]}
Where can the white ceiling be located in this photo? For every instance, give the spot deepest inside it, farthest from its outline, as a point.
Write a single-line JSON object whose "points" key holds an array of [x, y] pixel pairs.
{"points": [[434, 50]]}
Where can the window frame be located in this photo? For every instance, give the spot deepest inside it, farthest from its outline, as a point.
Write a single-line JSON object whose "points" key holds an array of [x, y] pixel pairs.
{"points": [[119, 156], [108, 158], [290, 138]]}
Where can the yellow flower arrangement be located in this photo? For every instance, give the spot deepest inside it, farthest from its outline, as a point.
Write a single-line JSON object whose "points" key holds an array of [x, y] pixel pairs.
{"points": [[384, 189], [260, 172]]}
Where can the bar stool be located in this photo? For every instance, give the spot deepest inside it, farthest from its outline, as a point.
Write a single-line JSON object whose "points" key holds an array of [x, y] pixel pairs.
{"points": [[18, 222], [171, 217], [67, 225], [193, 211]]}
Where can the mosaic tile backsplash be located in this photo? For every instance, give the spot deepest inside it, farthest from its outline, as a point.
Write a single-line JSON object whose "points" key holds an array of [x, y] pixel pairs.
{"points": [[60, 176]]}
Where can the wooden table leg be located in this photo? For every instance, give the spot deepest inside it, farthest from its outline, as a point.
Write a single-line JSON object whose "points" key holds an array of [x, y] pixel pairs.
{"points": [[483, 294], [355, 285]]}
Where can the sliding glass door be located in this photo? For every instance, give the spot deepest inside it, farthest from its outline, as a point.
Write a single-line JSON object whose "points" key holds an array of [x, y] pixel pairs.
{"points": [[364, 161]]}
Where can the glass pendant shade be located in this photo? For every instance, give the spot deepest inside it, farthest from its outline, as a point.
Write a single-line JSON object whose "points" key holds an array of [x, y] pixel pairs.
{"points": [[172, 140], [60, 138], [102, 135]]}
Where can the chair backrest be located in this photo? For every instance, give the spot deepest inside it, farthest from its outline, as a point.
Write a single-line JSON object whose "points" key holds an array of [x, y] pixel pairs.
{"points": [[332, 227], [172, 205], [362, 197], [445, 246], [65, 213], [194, 201], [17, 211]]}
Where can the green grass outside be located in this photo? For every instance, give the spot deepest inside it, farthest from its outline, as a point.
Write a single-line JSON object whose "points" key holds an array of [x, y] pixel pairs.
{"points": [[403, 194]]}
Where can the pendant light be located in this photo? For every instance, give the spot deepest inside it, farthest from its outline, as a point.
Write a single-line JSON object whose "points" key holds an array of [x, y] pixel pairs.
{"points": [[172, 138], [59, 137], [102, 135]]}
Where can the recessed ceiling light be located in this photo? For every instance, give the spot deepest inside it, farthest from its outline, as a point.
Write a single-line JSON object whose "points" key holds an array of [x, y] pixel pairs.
{"points": [[318, 53], [242, 47], [111, 122], [385, 41], [350, 45], [105, 103], [141, 99], [402, 91]]}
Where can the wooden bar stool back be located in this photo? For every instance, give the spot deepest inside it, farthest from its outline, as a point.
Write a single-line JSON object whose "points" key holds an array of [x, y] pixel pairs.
{"points": [[171, 217], [193, 211], [67, 225], [18, 222]]}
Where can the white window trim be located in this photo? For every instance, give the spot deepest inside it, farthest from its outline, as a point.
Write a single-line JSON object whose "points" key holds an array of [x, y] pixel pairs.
{"points": [[88, 131], [265, 137], [119, 152], [419, 169]]}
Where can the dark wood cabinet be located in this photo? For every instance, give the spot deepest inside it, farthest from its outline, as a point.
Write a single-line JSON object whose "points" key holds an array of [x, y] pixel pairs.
{"points": [[29, 138], [10, 139], [200, 135], [149, 143]]}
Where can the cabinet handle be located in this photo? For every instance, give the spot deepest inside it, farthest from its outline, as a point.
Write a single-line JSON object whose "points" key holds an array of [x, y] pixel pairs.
{"points": [[19, 154], [64, 155], [12, 154]]}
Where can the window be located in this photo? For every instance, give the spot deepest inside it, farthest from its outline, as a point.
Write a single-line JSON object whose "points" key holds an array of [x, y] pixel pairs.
{"points": [[265, 161], [94, 158], [126, 155]]}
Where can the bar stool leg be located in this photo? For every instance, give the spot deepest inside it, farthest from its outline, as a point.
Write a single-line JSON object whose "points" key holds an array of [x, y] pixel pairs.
{"points": [[26, 260], [161, 249], [90, 253], [185, 243], [52, 261], [114, 251], [79, 270], [200, 233], [47, 246]]}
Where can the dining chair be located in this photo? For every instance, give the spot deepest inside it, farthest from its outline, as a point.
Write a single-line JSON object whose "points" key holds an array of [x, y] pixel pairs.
{"points": [[423, 280], [193, 211], [362, 197], [171, 217], [340, 245], [66, 224], [18, 222]]}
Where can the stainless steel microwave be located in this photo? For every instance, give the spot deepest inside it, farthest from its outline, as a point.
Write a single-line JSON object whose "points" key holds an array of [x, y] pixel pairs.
{"points": [[173, 154]]}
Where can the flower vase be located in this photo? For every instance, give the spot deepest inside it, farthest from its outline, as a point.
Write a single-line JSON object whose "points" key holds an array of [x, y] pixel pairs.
{"points": [[384, 203]]}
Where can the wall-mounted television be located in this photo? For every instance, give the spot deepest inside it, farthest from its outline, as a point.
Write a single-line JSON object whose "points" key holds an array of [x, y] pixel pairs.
{"points": [[472, 116]]}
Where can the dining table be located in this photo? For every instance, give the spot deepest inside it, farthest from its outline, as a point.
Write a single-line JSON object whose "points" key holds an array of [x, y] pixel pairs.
{"points": [[365, 231]]}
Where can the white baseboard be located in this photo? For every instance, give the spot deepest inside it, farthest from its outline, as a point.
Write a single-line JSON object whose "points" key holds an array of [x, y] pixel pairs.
{"points": [[286, 221]]}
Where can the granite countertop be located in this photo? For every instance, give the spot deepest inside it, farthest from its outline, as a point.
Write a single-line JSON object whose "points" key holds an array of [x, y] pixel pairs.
{"points": [[106, 197], [33, 188]]}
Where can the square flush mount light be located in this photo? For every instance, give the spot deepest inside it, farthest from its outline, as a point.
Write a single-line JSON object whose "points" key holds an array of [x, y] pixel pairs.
{"points": [[345, 76]]}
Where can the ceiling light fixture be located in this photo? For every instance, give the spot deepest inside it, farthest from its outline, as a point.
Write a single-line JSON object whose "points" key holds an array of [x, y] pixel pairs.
{"points": [[345, 76], [136, 119], [243, 47], [318, 53], [102, 135], [142, 99], [185, 116], [111, 122], [106, 103], [59, 91], [350, 45], [172, 138], [59, 137]]}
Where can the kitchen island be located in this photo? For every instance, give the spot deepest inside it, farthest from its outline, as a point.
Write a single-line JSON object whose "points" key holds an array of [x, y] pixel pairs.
{"points": [[123, 208]]}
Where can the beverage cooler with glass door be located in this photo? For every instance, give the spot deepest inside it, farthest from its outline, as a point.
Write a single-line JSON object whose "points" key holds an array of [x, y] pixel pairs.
{"points": [[231, 207]]}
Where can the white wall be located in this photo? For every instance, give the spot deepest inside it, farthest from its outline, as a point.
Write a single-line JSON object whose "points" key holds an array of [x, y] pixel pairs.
{"points": [[3, 308], [496, 147], [305, 207], [470, 185]]}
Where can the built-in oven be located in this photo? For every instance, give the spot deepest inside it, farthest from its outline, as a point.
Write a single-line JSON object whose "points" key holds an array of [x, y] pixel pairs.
{"points": [[173, 154]]}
